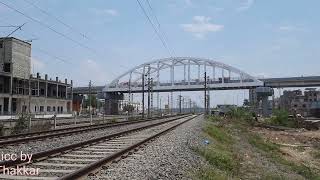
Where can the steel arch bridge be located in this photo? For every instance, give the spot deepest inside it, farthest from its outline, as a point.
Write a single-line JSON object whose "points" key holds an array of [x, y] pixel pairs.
{"points": [[185, 80]]}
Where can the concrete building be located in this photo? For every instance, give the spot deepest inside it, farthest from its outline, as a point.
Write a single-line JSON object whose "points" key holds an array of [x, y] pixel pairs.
{"points": [[21, 92], [298, 102]]}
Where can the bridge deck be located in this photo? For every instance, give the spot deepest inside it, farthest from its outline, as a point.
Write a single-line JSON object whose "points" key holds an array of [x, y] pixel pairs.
{"points": [[308, 81]]}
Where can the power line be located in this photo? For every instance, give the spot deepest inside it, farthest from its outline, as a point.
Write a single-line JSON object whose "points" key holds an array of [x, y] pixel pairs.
{"points": [[60, 21], [159, 26], [8, 26], [18, 28], [57, 19], [47, 26], [43, 51], [154, 28], [52, 55]]}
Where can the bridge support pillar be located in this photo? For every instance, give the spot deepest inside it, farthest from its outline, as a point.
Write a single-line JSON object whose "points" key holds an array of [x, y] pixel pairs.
{"points": [[112, 103], [259, 100]]}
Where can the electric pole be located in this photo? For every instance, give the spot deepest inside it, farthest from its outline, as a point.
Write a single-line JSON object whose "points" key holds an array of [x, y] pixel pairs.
{"points": [[180, 104], [148, 110], [89, 98], [183, 105], [205, 92], [143, 94], [168, 104], [129, 95], [151, 101]]}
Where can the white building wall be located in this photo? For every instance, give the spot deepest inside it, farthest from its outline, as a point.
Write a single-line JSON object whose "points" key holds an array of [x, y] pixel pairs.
{"points": [[56, 106]]}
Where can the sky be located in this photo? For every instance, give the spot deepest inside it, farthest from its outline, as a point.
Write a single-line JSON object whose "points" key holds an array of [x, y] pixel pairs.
{"points": [[100, 39]]}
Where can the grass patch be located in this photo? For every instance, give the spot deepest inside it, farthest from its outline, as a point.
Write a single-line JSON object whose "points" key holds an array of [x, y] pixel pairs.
{"points": [[218, 133], [219, 153], [210, 174], [273, 151], [270, 176], [221, 159], [266, 146], [215, 118], [316, 154]]}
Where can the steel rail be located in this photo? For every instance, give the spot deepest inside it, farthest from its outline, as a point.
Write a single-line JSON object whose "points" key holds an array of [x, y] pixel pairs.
{"points": [[93, 166], [65, 131], [44, 154]]}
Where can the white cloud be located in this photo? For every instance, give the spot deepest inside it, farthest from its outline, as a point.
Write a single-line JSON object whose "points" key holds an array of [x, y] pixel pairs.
{"points": [[245, 5], [200, 26], [290, 28], [109, 12]]}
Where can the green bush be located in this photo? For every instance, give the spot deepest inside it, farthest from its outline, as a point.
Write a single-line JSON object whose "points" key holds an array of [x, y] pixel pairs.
{"points": [[21, 125], [241, 114], [281, 118]]}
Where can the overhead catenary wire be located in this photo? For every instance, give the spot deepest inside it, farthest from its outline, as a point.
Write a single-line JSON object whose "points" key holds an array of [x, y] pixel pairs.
{"points": [[154, 28], [48, 27], [159, 26], [53, 30], [57, 19], [61, 22], [42, 50]]}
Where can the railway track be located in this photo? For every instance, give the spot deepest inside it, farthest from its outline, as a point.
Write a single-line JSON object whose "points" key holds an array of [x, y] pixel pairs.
{"points": [[25, 137], [78, 160]]}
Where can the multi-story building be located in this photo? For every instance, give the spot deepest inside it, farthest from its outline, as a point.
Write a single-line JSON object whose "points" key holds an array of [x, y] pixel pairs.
{"points": [[298, 102], [22, 92]]}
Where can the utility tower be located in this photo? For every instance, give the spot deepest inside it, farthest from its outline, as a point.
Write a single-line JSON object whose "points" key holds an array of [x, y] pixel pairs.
{"points": [[205, 93]]}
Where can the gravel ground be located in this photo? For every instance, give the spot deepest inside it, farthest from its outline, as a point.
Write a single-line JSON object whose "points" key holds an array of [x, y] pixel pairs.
{"points": [[167, 157], [42, 145]]}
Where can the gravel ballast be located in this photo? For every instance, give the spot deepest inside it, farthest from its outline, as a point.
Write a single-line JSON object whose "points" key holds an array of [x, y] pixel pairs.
{"points": [[48, 144], [167, 157]]}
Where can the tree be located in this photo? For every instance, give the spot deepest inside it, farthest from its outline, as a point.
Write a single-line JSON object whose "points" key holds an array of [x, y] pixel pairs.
{"points": [[93, 100], [246, 102]]}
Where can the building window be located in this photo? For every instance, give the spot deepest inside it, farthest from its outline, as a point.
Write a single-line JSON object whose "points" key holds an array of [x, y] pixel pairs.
{"points": [[1, 44], [53, 108], [6, 67], [35, 108], [58, 109], [41, 108], [61, 109], [48, 108]]}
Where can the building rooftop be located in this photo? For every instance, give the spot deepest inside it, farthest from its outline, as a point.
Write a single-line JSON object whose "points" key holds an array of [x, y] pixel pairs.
{"points": [[13, 38]]}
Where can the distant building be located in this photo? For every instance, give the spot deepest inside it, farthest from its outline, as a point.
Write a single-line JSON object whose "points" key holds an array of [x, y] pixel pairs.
{"points": [[20, 92], [298, 102]]}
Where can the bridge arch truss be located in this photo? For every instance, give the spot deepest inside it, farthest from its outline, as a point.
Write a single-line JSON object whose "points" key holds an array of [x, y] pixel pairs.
{"points": [[219, 76]]}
